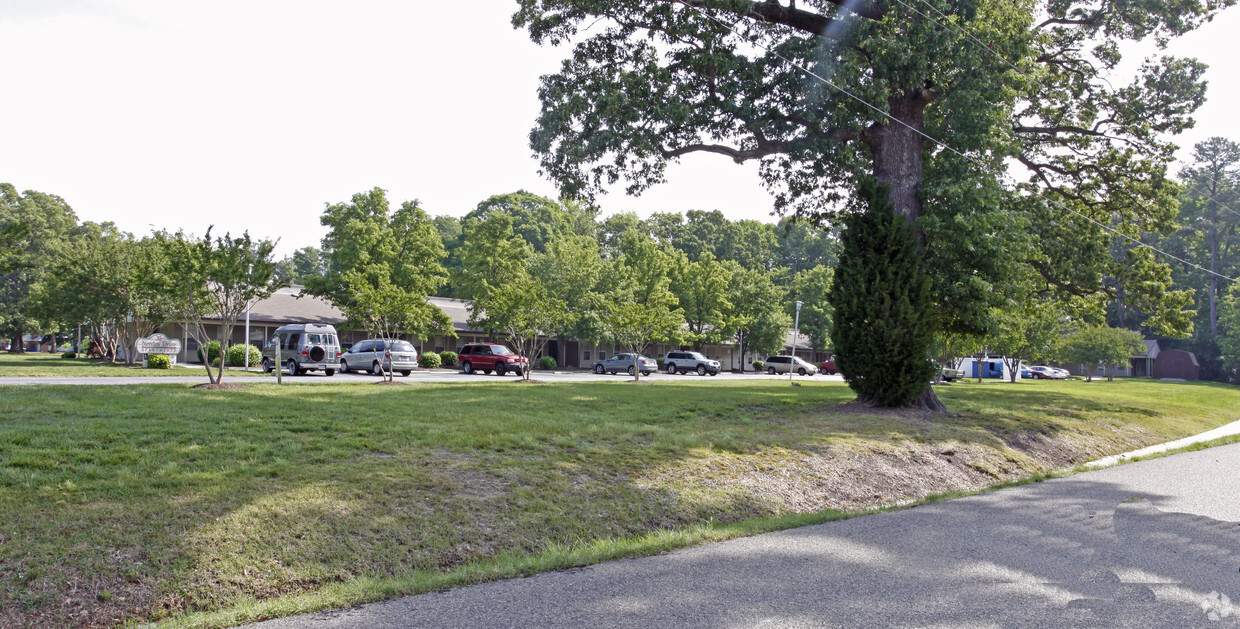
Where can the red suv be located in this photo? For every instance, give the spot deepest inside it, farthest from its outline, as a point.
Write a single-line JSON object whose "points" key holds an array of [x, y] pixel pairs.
{"points": [[488, 357]]}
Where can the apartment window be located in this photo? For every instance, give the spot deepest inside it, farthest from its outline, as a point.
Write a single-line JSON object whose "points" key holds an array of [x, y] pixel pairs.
{"points": [[585, 355]]}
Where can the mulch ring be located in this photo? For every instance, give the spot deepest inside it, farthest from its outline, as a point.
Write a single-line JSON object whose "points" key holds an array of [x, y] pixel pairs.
{"points": [[524, 381], [390, 382], [221, 386]]}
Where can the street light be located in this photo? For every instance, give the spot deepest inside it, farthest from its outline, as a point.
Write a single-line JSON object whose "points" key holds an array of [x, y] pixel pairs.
{"points": [[796, 332]]}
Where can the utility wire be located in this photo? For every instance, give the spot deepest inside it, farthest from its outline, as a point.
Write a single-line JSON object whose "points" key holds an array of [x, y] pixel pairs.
{"points": [[945, 146]]}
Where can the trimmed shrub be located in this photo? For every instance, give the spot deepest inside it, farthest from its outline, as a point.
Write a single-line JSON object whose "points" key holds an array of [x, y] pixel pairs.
{"points": [[884, 313], [758, 365], [447, 359], [659, 359], [236, 355], [429, 360], [69, 355], [213, 353], [158, 361], [547, 363]]}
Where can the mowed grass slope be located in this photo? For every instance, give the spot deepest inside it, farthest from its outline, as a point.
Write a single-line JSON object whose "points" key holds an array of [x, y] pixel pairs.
{"points": [[203, 507]]}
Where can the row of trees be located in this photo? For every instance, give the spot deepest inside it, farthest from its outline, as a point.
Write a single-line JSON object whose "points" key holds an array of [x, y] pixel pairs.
{"points": [[536, 269]]}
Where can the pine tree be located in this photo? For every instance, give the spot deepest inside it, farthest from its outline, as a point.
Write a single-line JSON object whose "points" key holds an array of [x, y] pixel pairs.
{"points": [[883, 314]]}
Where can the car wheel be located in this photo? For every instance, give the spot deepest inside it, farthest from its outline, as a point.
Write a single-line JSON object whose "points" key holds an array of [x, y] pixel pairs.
{"points": [[518, 371], [344, 367], [292, 367], [467, 367], [329, 372], [714, 373], [645, 373], [377, 368], [500, 370], [801, 371], [701, 370], [406, 372], [671, 369], [770, 370], [630, 370], [598, 369], [266, 366]]}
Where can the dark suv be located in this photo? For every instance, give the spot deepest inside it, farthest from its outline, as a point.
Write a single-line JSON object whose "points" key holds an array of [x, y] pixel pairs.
{"points": [[488, 357], [684, 362]]}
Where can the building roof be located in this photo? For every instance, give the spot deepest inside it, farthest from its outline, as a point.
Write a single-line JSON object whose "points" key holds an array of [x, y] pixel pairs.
{"points": [[1151, 349], [290, 305]]}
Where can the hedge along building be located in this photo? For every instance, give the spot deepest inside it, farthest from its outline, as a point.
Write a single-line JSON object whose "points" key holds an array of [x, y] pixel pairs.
{"points": [[290, 305]]}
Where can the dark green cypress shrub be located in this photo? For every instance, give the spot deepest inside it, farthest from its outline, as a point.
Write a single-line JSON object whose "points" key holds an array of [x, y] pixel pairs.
{"points": [[884, 320]]}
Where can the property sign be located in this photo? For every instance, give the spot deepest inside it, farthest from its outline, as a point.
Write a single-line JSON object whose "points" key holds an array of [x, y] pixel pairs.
{"points": [[158, 344]]}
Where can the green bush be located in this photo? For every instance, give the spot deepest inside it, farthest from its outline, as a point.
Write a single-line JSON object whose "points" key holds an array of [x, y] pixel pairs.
{"points": [[236, 355], [447, 359], [884, 309], [69, 355], [158, 361], [758, 365], [429, 360], [547, 363], [213, 353], [659, 360]]}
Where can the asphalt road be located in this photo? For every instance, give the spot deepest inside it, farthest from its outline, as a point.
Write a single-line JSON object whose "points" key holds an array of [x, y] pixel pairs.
{"points": [[1151, 544], [435, 375]]}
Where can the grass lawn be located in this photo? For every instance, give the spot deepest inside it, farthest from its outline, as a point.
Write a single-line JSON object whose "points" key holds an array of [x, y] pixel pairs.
{"points": [[38, 364], [208, 508]]}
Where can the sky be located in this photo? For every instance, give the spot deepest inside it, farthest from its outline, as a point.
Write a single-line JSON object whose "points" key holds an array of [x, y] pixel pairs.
{"points": [[252, 115]]}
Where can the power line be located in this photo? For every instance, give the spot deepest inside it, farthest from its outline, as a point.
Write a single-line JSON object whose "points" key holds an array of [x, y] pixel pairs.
{"points": [[946, 146]]}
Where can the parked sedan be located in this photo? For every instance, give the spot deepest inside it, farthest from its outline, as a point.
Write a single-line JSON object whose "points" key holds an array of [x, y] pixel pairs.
{"points": [[1042, 372], [624, 362]]}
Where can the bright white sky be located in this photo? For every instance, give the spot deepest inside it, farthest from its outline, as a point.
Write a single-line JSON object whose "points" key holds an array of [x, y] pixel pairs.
{"points": [[250, 115]]}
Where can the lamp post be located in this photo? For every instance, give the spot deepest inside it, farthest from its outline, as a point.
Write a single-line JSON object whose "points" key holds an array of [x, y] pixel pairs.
{"points": [[796, 332]]}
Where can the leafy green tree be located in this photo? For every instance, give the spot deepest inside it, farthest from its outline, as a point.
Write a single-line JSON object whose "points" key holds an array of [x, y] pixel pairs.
{"points": [[1229, 333], [37, 228], [1095, 345], [613, 228], [526, 310], [382, 266], [572, 270], [883, 320], [216, 278], [1209, 236], [800, 246], [702, 289], [811, 288], [111, 283], [757, 314], [640, 308], [302, 264], [493, 255], [537, 219], [1028, 329], [1030, 84]]}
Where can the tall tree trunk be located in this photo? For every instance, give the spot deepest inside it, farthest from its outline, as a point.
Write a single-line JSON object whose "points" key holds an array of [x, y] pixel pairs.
{"points": [[899, 162]]}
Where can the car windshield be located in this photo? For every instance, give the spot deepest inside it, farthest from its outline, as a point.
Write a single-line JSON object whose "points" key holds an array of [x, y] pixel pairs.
{"points": [[500, 349], [402, 346]]}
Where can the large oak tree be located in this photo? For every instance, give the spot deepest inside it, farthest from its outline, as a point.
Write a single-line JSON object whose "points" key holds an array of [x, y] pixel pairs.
{"points": [[1021, 87]]}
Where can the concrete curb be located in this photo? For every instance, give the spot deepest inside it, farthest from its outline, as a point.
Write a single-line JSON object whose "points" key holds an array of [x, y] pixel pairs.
{"points": [[1225, 430]]}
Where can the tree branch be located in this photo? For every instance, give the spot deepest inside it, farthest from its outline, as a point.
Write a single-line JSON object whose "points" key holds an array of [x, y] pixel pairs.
{"points": [[808, 21]]}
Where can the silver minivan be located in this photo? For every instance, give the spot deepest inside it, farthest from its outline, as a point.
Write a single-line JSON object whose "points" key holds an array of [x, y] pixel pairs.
{"points": [[303, 347], [785, 364], [370, 355]]}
